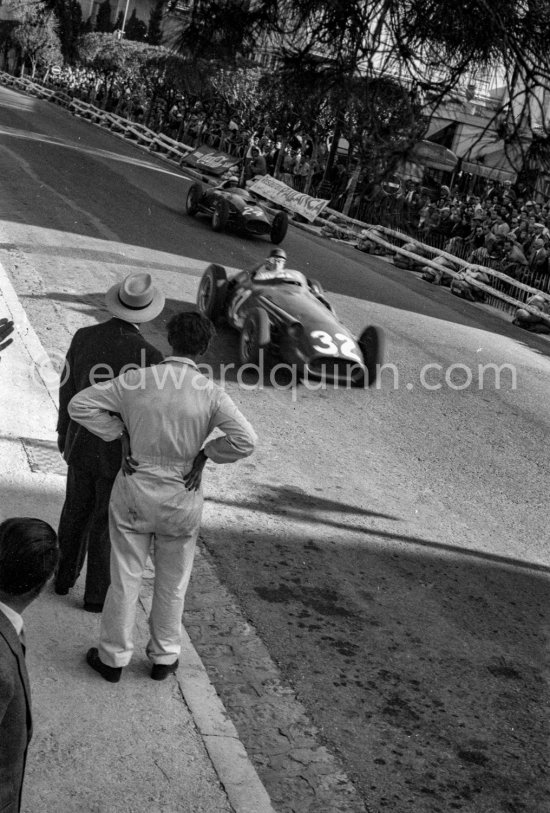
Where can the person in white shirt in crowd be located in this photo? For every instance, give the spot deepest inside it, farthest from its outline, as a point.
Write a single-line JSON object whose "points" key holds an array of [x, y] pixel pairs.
{"points": [[256, 165], [164, 415]]}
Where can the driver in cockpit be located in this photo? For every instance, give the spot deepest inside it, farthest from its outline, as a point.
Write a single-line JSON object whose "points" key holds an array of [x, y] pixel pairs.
{"points": [[230, 183], [274, 268]]}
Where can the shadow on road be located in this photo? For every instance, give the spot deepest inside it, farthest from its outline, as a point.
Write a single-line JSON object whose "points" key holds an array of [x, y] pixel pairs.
{"points": [[426, 673]]}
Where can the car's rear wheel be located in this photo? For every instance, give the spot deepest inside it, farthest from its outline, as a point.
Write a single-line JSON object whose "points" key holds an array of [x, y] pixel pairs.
{"points": [[194, 196], [255, 337], [220, 215], [371, 344], [279, 227], [212, 292]]}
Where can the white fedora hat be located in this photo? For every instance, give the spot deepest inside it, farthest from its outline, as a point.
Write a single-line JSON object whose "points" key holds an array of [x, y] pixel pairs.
{"points": [[135, 299]]}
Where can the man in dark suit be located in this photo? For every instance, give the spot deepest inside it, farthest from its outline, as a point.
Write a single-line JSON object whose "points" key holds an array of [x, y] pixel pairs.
{"points": [[98, 353], [28, 556]]}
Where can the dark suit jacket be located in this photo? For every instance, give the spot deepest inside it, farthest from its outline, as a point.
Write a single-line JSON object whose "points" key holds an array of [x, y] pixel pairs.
{"points": [[114, 344], [15, 717]]}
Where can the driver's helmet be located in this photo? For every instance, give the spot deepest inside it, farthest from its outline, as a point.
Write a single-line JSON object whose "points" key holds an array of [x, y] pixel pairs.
{"points": [[276, 260], [231, 180]]}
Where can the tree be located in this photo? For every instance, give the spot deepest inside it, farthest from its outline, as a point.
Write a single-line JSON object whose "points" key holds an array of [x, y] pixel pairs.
{"points": [[136, 29], [70, 28], [35, 35], [425, 46], [119, 21], [103, 22], [154, 32], [239, 89]]}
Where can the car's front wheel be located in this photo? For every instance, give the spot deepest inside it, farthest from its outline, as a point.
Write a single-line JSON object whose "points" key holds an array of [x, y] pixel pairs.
{"points": [[279, 227], [194, 196], [212, 292], [220, 215], [255, 337], [371, 344]]}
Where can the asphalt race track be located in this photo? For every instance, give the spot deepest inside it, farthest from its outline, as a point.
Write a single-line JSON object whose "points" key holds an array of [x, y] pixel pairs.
{"points": [[389, 546]]}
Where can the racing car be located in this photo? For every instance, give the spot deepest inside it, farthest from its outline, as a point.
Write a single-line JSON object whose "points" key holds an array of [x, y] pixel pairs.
{"points": [[232, 207], [282, 313]]}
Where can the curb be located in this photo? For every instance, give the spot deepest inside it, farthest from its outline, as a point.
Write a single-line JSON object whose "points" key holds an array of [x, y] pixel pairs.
{"points": [[235, 771], [239, 779]]}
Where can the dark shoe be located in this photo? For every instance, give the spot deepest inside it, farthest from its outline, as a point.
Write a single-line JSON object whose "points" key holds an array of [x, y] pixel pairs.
{"points": [[60, 590], [110, 673], [93, 607], [160, 671]]}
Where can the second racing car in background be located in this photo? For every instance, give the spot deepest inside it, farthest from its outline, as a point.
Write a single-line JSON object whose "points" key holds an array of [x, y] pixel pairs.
{"points": [[282, 313], [231, 207]]}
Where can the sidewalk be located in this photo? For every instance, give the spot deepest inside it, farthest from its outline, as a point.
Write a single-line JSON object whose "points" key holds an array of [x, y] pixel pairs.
{"points": [[100, 748]]}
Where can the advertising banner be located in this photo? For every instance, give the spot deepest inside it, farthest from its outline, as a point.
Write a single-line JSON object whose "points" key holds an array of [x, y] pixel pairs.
{"points": [[278, 192], [210, 161]]}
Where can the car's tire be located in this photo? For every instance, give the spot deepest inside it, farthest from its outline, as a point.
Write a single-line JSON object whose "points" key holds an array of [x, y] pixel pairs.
{"points": [[255, 337], [194, 196], [371, 344], [212, 292], [220, 215], [279, 227]]}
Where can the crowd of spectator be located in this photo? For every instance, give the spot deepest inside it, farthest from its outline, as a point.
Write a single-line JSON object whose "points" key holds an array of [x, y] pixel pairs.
{"points": [[497, 228]]}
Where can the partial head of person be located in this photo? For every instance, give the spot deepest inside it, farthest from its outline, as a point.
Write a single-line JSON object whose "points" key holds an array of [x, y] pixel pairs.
{"points": [[276, 259], [135, 299], [28, 557], [231, 181], [190, 333]]}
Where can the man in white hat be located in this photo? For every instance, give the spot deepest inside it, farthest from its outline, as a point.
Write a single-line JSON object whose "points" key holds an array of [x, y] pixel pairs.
{"points": [[98, 353]]}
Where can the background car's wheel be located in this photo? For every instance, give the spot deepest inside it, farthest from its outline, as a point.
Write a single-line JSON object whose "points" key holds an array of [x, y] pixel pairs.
{"points": [[255, 336], [220, 215], [194, 196], [371, 343], [212, 292], [279, 227]]}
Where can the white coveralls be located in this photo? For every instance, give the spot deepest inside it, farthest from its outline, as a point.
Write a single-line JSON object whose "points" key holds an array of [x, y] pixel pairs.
{"points": [[169, 410]]}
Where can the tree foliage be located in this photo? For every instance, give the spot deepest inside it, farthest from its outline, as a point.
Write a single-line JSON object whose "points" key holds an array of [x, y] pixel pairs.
{"points": [[154, 31], [103, 23], [425, 46], [35, 35], [135, 28], [239, 90]]}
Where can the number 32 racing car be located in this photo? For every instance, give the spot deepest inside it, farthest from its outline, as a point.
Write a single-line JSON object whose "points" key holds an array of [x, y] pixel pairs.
{"points": [[232, 207], [281, 312]]}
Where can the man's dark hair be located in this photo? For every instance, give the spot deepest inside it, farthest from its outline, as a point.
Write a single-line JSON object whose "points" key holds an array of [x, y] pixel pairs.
{"points": [[28, 555], [190, 333]]}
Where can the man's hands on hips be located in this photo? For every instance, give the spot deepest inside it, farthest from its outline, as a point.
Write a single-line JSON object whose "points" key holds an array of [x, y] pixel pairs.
{"points": [[6, 329], [128, 464], [192, 480]]}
